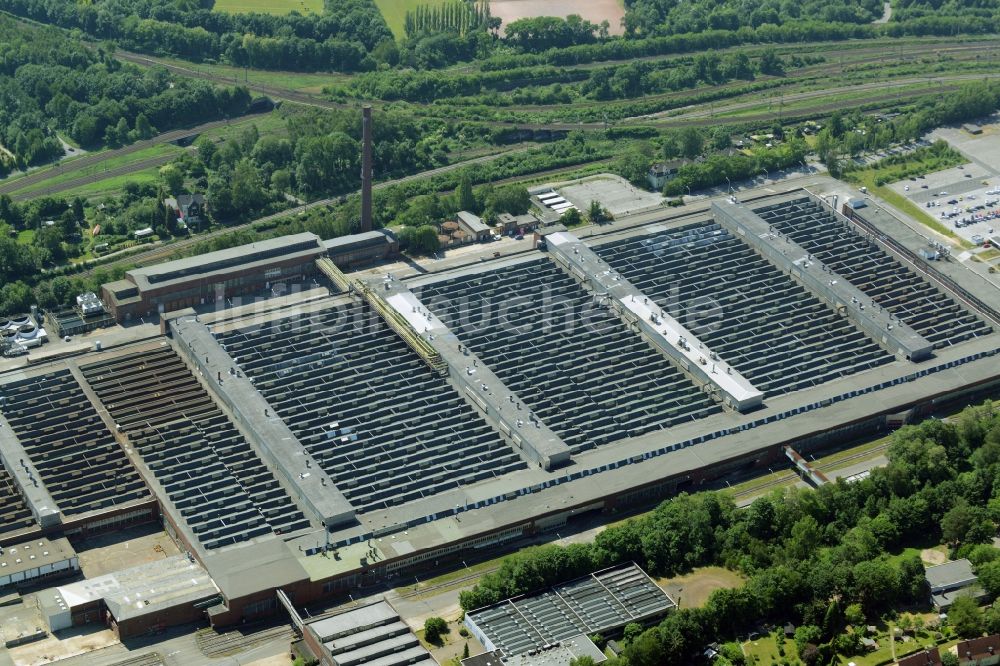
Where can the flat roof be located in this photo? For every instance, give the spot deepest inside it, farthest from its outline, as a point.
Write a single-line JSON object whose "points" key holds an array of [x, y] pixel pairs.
{"points": [[601, 602], [144, 589], [944, 600], [353, 621], [949, 574], [370, 634], [25, 475], [364, 239], [242, 257], [252, 566], [472, 221], [559, 655], [34, 554]]}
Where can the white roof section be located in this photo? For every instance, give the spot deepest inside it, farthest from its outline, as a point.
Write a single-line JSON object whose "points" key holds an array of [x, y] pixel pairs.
{"points": [[667, 333], [147, 588], [419, 317]]}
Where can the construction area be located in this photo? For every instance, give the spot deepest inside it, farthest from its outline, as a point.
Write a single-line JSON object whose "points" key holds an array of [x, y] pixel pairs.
{"points": [[384, 421]]}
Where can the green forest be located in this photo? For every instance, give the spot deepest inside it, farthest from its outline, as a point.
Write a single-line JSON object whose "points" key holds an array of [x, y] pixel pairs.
{"points": [[351, 35], [51, 84]]}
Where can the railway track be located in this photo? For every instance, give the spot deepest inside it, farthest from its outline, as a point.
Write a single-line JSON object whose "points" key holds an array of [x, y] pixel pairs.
{"points": [[790, 475], [151, 659], [271, 91], [40, 175], [716, 114], [910, 51], [214, 644], [449, 585], [799, 75], [73, 183]]}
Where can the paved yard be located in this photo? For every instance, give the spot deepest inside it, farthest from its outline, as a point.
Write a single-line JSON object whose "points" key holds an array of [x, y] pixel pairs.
{"points": [[119, 550]]}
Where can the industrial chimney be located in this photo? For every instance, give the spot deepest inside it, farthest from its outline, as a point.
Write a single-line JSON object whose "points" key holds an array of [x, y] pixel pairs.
{"points": [[366, 169]]}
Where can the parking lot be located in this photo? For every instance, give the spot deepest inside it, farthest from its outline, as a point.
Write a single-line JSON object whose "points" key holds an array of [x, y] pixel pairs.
{"points": [[966, 199], [616, 194]]}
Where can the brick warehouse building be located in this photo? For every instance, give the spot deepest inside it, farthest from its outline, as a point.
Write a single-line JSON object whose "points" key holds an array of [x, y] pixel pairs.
{"points": [[209, 277], [236, 271]]}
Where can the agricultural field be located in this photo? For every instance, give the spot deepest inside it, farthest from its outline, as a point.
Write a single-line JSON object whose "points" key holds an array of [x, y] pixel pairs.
{"points": [[277, 7], [594, 11], [394, 12]]}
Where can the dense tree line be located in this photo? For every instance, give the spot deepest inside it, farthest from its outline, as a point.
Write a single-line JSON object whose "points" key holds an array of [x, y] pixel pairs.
{"points": [[540, 33], [648, 78], [815, 557], [424, 86], [837, 141], [341, 38], [457, 16], [793, 32], [660, 17], [50, 82], [351, 35], [973, 10], [544, 84]]}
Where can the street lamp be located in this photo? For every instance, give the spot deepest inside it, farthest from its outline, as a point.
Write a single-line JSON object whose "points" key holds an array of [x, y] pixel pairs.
{"points": [[729, 182], [688, 189]]}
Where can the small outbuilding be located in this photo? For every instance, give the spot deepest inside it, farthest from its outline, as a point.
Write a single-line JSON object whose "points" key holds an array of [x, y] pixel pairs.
{"points": [[473, 226]]}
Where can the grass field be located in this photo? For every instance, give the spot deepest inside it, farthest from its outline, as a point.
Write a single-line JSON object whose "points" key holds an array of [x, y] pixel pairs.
{"points": [[394, 12], [764, 649], [302, 81], [692, 590], [111, 186], [62, 175], [278, 7]]}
